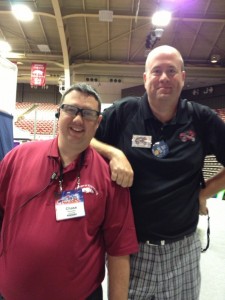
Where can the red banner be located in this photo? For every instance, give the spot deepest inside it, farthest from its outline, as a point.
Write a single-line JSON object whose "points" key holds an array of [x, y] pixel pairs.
{"points": [[38, 74]]}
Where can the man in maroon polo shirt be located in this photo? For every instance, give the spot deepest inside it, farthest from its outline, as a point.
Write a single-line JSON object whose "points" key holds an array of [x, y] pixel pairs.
{"points": [[61, 213]]}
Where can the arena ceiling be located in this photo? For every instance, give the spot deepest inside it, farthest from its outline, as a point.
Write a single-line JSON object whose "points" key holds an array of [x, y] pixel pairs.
{"points": [[104, 40]]}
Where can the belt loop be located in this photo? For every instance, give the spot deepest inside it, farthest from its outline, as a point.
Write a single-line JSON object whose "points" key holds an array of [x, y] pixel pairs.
{"points": [[149, 244], [160, 243]]}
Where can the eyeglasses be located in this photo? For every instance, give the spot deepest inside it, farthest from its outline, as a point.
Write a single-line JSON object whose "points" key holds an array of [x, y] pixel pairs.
{"points": [[87, 114]]}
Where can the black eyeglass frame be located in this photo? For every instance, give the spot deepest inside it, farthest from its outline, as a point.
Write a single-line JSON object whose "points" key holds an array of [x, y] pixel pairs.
{"points": [[86, 113]]}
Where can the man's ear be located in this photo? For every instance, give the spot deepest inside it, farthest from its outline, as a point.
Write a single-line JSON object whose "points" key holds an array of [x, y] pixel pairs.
{"points": [[99, 120]]}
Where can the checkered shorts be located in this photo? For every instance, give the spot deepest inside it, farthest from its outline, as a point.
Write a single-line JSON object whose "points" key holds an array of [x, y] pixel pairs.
{"points": [[168, 272]]}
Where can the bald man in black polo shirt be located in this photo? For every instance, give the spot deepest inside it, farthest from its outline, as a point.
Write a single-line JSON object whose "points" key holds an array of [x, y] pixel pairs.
{"points": [[154, 146]]}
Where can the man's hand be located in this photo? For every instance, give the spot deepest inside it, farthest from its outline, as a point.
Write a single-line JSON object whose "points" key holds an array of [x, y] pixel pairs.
{"points": [[212, 186], [121, 170]]}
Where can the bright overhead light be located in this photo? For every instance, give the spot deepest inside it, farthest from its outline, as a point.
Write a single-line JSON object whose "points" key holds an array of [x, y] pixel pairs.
{"points": [[161, 18], [4, 47], [215, 58], [22, 12]]}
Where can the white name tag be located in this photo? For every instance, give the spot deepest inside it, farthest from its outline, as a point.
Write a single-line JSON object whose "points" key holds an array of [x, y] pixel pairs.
{"points": [[141, 141], [70, 204]]}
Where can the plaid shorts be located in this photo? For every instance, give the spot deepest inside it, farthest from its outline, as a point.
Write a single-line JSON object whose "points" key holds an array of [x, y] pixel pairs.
{"points": [[167, 272]]}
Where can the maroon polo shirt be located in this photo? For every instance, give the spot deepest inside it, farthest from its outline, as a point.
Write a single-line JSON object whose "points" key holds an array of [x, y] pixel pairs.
{"points": [[48, 259]]}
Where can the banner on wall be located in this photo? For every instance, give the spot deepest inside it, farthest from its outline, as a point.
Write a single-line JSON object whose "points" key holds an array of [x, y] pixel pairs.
{"points": [[38, 74]]}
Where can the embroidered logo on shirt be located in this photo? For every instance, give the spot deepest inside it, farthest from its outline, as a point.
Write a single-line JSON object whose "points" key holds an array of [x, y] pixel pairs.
{"points": [[88, 189], [188, 135]]}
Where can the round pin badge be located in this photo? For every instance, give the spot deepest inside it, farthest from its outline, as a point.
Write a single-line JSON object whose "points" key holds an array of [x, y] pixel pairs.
{"points": [[160, 149]]}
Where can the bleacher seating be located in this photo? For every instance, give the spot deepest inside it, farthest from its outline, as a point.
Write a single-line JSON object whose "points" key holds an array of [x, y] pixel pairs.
{"points": [[45, 127], [211, 166], [36, 118], [221, 113]]}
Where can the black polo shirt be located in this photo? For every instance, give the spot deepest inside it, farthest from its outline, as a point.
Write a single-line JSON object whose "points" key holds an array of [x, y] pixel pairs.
{"points": [[165, 189]]}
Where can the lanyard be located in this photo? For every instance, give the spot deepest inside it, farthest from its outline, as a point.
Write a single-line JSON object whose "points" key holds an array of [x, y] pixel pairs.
{"points": [[80, 165], [208, 235]]}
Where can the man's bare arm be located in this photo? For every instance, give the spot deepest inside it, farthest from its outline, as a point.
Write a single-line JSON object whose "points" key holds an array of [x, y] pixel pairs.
{"points": [[214, 185], [119, 275], [121, 170]]}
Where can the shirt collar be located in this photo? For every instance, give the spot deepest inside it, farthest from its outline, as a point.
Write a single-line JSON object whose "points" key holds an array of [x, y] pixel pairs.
{"points": [[181, 115], [53, 150], [54, 154]]}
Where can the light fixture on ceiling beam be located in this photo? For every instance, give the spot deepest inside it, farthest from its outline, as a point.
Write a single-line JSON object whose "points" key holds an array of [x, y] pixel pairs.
{"points": [[159, 32], [154, 36], [215, 58], [22, 12]]}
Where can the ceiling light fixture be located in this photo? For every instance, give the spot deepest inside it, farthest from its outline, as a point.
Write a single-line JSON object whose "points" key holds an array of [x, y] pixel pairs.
{"points": [[22, 12], [154, 36], [159, 32], [215, 58], [161, 18]]}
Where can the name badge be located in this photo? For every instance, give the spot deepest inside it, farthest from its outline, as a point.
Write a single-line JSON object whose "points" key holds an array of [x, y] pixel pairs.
{"points": [[69, 205], [141, 141]]}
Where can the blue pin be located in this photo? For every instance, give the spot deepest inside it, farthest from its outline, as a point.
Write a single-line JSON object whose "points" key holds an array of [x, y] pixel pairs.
{"points": [[160, 149]]}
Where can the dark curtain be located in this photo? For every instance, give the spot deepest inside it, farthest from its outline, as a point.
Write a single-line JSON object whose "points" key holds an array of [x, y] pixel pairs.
{"points": [[6, 133]]}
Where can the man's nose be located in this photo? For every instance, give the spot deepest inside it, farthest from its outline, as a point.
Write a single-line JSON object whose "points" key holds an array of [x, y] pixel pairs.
{"points": [[78, 115], [164, 76]]}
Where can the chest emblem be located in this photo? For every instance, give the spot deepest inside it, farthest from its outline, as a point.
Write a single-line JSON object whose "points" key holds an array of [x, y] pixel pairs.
{"points": [[88, 189], [188, 135]]}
